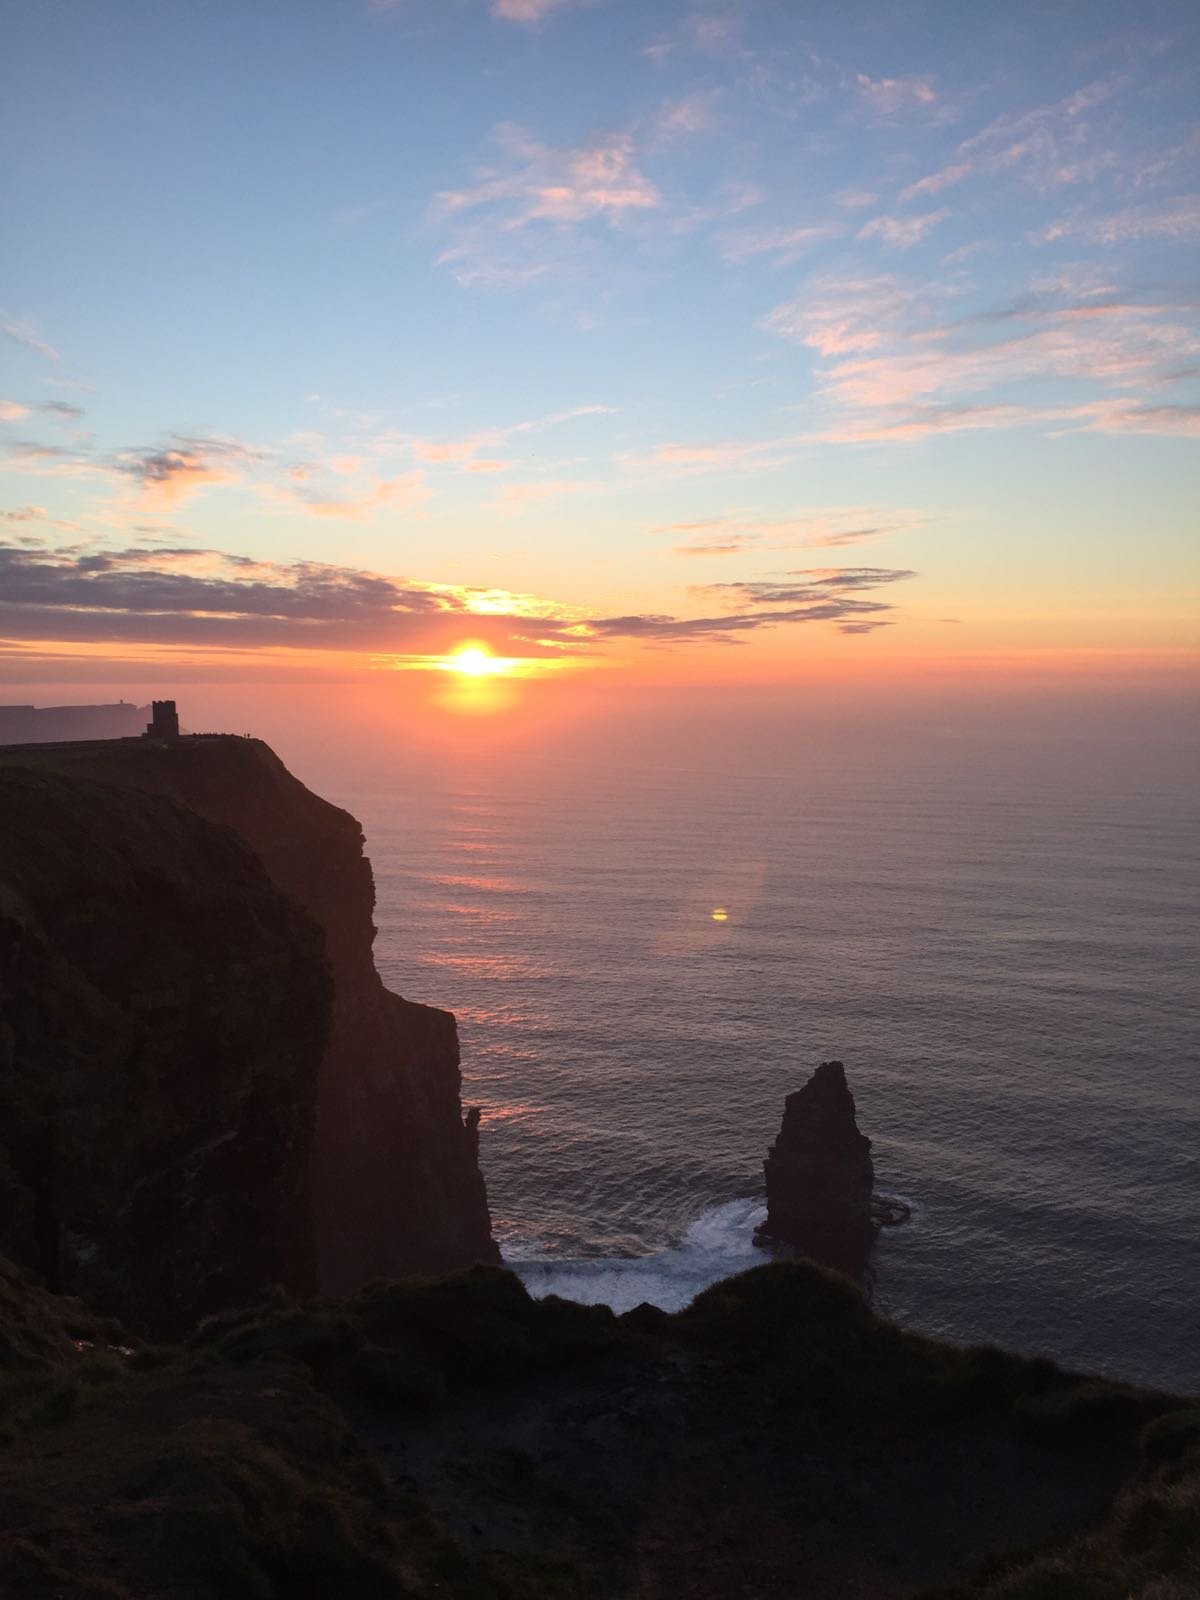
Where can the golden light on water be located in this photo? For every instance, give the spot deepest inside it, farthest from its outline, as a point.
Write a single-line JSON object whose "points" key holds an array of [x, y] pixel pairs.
{"points": [[719, 914]]}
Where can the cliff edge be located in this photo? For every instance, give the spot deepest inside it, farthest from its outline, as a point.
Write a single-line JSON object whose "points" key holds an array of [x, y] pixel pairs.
{"points": [[163, 1013], [396, 1186]]}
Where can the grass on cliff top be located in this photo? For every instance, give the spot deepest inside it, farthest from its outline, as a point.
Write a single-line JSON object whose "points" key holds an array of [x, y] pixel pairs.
{"points": [[1147, 1549], [177, 1471], [408, 1346], [226, 1467], [411, 1346]]}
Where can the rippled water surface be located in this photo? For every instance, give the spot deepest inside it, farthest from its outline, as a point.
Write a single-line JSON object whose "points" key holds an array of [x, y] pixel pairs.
{"points": [[999, 938]]}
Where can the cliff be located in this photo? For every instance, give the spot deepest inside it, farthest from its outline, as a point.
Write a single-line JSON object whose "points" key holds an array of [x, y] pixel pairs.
{"points": [[163, 1010], [453, 1438], [396, 1186], [44, 724], [820, 1176]]}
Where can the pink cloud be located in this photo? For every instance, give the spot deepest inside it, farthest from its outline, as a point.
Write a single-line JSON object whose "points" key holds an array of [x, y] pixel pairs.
{"points": [[889, 95], [526, 11], [692, 114], [1044, 144], [22, 331], [937, 181], [901, 233], [784, 244], [357, 505], [12, 411], [464, 452], [562, 186], [507, 227], [516, 496], [1174, 219], [895, 368], [820, 528]]}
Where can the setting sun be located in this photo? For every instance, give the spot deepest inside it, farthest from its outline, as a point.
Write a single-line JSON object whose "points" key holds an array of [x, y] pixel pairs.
{"points": [[475, 661]]}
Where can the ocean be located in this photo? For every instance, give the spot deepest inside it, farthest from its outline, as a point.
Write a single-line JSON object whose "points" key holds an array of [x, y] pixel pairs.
{"points": [[650, 936]]}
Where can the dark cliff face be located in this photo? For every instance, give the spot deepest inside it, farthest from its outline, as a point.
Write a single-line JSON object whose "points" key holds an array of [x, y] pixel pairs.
{"points": [[163, 1011], [820, 1176], [396, 1181]]}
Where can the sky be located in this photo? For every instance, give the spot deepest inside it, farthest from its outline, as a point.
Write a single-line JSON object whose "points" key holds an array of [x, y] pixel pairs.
{"points": [[751, 343]]}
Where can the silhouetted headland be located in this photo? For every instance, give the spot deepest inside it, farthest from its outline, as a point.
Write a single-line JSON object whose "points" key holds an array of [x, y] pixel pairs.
{"points": [[50, 724], [103, 846]]}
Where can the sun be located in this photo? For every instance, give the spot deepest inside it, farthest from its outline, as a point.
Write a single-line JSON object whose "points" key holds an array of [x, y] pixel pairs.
{"points": [[475, 661]]}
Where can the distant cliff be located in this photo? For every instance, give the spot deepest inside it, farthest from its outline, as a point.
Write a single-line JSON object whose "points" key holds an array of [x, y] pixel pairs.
{"points": [[396, 1186], [163, 1012], [41, 724]]}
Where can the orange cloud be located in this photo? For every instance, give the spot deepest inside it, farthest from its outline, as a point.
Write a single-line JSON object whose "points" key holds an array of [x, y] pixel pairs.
{"points": [[393, 494]]}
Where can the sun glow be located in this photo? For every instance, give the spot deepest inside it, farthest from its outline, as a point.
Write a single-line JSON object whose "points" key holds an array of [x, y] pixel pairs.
{"points": [[476, 661]]}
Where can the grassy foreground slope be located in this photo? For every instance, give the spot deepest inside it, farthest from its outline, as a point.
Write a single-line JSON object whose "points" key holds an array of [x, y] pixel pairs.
{"points": [[452, 1437]]}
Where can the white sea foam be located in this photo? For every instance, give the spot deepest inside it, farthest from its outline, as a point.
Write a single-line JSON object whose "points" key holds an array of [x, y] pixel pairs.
{"points": [[716, 1245]]}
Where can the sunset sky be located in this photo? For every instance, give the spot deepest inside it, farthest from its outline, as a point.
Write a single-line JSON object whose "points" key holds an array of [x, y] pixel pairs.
{"points": [[718, 343]]}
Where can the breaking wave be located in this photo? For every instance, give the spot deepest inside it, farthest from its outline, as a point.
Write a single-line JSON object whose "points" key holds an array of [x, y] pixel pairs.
{"points": [[716, 1245]]}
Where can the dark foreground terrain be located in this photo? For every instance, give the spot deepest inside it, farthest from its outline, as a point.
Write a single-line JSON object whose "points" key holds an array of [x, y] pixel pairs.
{"points": [[453, 1437]]}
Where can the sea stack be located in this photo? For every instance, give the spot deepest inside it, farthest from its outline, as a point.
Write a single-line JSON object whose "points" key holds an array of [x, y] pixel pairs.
{"points": [[820, 1176]]}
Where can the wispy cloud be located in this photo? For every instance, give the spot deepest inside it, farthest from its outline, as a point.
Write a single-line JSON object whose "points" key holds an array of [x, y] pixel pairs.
{"points": [[691, 114], [813, 594], [57, 410], [901, 233], [856, 199], [34, 526], [725, 455], [526, 11], [1125, 416], [209, 598], [822, 527], [354, 504], [935, 182], [1046, 146], [24, 331], [1173, 219], [783, 245], [464, 452], [517, 496], [887, 96], [174, 472], [532, 186], [896, 367], [711, 33], [557, 186]]}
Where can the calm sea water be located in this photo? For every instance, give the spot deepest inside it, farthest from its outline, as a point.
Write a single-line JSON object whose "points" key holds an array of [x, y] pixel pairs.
{"points": [[997, 934]]}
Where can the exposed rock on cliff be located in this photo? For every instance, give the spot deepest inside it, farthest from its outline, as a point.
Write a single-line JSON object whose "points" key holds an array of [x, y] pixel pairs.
{"points": [[396, 1181], [820, 1176], [163, 1010]]}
